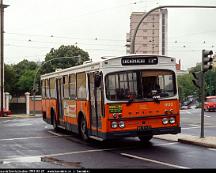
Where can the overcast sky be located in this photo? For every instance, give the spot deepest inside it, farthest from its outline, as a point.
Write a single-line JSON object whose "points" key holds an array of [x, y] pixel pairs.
{"points": [[33, 27]]}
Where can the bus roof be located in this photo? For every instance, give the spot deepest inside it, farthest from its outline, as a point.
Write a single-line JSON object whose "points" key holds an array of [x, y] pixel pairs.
{"points": [[90, 65]]}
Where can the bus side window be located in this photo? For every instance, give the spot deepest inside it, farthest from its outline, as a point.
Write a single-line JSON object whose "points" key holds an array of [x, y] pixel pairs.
{"points": [[72, 85], [81, 86], [47, 89], [43, 89], [52, 88], [66, 87]]}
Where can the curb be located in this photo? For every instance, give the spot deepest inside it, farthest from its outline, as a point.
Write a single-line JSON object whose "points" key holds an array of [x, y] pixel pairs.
{"points": [[209, 141]]}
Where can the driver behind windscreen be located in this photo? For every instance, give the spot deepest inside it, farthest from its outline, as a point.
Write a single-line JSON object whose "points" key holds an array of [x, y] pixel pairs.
{"points": [[150, 86]]}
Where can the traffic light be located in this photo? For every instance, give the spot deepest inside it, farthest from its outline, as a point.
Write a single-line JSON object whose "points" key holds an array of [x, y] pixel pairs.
{"points": [[197, 79], [207, 60]]}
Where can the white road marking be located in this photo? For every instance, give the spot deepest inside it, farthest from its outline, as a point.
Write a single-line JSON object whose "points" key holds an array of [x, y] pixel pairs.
{"points": [[207, 116], [171, 143], [185, 128], [38, 158], [154, 161], [32, 137], [195, 125], [212, 149], [57, 134]]}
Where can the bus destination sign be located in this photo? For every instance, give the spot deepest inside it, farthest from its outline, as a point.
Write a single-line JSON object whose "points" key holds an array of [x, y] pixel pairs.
{"points": [[139, 60]]}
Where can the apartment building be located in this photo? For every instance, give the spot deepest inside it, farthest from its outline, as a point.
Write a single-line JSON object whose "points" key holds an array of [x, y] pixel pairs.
{"points": [[151, 37]]}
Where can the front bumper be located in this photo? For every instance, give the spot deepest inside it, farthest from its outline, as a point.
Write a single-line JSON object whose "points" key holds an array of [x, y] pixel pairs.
{"points": [[153, 131]]}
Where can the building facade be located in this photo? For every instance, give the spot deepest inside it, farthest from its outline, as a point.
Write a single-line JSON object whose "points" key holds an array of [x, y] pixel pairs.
{"points": [[151, 37]]}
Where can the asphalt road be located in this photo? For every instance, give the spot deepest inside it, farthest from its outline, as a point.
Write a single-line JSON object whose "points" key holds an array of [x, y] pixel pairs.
{"points": [[31, 143], [191, 122]]}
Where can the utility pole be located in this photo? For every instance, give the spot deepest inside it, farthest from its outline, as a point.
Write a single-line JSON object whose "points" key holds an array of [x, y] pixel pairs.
{"points": [[2, 7]]}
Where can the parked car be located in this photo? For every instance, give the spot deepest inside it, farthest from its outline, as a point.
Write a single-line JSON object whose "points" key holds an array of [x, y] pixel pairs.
{"points": [[194, 104], [210, 103]]}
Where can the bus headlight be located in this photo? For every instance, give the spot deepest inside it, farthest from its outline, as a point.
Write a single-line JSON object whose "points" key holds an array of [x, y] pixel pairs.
{"points": [[165, 121], [172, 120], [114, 125], [121, 124]]}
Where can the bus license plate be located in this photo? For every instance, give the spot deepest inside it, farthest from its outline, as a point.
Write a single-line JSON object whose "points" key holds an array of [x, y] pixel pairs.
{"points": [[143, 128]]}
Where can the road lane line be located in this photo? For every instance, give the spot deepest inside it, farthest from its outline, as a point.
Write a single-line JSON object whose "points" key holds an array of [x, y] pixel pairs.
{"points": [[154, 161], [171, 143], [24, 138], [56, 134], [185, 128], [38, 157], [194, 125], [212, 149], [207, 116]]}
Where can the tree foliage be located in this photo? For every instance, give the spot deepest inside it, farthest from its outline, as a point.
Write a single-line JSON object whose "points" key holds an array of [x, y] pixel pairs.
{"points": [[25, 82], [186, 87], [19, 77], [10, 79], [78, 56]]}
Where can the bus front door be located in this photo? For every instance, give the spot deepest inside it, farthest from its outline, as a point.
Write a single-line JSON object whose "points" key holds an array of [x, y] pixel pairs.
{"points": [[95, 105], [59, 101]]}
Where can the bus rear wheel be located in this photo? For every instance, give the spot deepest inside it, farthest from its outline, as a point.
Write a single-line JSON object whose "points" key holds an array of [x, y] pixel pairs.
{"points": [[83, 129], [145, 138]]}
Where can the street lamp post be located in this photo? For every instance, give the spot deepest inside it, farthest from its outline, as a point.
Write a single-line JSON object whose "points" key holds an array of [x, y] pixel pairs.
{"points": [[34, 82], [132, 49], [2, 7]]}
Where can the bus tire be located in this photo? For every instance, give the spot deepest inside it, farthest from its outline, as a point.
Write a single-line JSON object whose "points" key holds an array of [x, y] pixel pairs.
{"points": [[145, 138], [83, 129]]}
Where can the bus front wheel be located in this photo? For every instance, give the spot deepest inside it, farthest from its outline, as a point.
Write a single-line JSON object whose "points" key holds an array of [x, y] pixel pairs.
{"points": [[145, 138], [83, 129]]}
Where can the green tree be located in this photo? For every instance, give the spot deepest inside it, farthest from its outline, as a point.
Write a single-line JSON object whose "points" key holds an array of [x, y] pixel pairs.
{"points": [[24, 71], [210, 79], [24, 65], [64, 51], [186, 87], [25, 82], [10, 79]]}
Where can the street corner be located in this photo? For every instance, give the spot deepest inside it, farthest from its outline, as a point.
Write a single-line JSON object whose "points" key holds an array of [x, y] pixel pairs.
{"points": [[209, 141]]}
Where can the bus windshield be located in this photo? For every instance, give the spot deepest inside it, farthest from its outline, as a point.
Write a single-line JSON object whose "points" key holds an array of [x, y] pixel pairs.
{"points": [[143, 84]]}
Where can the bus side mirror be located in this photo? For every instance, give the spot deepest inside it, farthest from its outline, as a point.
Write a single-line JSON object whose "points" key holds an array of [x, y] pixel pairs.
{"points": [[98, 77]]}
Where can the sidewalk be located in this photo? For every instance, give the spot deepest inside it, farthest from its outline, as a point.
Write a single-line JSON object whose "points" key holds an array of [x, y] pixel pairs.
{"points": [[208, 141]]}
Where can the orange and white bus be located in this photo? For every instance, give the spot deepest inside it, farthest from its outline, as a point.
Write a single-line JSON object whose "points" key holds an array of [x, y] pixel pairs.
{"points": [[133, 95]]}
